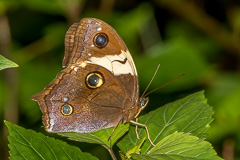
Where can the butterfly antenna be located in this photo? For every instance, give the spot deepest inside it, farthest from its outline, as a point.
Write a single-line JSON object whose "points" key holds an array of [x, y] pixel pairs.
{"points": [[151, 81], [164, 85]]}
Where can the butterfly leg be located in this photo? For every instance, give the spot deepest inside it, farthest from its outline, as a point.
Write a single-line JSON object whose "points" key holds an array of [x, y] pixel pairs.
{"points": [[136, 130], [143, 125], [114, 129]]}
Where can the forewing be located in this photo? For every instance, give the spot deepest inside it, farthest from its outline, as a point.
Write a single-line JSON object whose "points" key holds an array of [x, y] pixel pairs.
{"points": [[115, 57]]}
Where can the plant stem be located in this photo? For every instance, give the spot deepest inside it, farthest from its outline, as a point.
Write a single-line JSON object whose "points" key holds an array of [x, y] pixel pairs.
{"points": [[112, 154]]}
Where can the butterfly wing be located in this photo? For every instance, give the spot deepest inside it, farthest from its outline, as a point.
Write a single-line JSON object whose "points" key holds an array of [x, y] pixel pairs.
{"points": [[69, 103]]}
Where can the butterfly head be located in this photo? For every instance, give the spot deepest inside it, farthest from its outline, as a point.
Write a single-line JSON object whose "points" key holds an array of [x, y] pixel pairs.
{"points": [[143, 102]]}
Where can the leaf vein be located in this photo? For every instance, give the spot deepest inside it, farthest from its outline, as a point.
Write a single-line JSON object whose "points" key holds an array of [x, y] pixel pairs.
{"points": [[28, 143]]}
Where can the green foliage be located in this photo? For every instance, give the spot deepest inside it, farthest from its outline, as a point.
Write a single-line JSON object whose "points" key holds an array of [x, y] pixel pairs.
{"points": [[100, 137], [172, 64], [134, 150], [178, 129], [190, 115], [27, 144], [5, 63], [180, 146], [225, 94]]}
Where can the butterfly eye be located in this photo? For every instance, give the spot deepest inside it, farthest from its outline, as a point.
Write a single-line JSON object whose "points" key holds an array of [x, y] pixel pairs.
{"points": [[94, 80], [144, 102], [67, 110], [100, 40]]}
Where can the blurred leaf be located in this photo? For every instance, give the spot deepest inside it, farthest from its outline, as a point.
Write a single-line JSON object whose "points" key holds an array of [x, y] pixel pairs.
{"points": [[221, 86], [27, 144], [179, 29], [55, 34], [5, 63], [176, 57], [45, 6], [234, 18], [3, 7], [100, 137], [191, 114], [223, 94], [136, 20], [183, 52], [179, 146], [53, 39], [226, 116]]}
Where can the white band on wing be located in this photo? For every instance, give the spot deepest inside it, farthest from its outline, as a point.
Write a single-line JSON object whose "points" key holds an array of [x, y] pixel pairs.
{"points": [[117, 64]]}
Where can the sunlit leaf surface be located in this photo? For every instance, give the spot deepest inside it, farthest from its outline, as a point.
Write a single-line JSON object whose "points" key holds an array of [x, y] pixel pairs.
{"points": [[191, 114]]}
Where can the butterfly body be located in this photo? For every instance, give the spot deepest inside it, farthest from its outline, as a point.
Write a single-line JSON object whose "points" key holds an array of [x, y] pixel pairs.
{"points": [[98, 87]]}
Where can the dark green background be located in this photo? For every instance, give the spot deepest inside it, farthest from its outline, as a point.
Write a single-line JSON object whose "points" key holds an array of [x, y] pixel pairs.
{"points": [[198, 38]]}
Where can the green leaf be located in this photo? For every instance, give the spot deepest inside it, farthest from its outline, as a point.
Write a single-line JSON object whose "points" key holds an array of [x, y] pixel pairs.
{"points": [[100, 137], [135, 149], [179, 146], [191, 114], [27, 144], [5, 63]]}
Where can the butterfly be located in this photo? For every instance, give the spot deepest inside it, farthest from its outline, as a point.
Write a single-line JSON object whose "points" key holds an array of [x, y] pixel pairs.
{"points": [[98, 87]]}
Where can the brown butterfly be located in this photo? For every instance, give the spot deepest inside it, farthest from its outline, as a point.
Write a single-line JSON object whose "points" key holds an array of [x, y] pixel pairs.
{"points": [[99, 86]]}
